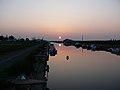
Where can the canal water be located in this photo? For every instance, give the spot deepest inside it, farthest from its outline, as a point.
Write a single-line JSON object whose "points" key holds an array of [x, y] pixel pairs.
{"points": [[84, 70]]}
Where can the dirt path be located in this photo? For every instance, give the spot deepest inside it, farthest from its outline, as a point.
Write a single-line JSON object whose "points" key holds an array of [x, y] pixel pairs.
{"points": [[10, 58]]}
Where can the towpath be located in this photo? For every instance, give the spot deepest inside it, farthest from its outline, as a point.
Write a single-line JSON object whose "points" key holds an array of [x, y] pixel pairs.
{"points": [[10, 58]]}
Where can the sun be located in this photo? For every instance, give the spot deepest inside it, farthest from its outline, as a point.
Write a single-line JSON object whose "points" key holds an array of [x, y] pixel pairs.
{"points": [[60, 45], [59, 37]]}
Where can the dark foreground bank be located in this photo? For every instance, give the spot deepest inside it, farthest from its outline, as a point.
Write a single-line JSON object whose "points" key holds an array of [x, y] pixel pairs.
{"points": [[26, 66]]}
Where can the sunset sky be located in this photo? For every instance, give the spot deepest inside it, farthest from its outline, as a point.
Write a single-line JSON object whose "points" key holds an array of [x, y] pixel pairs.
{"points": [[94, 19]]}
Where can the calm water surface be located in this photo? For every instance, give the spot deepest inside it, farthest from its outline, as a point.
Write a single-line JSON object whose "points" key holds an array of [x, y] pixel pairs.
{"points": [[85, 70]]}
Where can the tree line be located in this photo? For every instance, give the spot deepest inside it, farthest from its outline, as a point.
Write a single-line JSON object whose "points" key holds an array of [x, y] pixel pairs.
{"points": [[12, 38]]}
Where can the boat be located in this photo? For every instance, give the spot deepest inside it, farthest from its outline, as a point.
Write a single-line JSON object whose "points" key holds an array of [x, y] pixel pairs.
{"points": [[77, 45], [52, 50]]}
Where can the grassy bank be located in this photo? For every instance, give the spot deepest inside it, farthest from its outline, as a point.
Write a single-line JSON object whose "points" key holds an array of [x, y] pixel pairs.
{"points": [[24, 66], [103, 43], [108, 43], [6, 47]]}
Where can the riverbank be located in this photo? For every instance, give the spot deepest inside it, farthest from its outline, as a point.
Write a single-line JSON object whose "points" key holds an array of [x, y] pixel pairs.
{"points": [[25, 66], [10, 46], [41, 68], [112, 46]]}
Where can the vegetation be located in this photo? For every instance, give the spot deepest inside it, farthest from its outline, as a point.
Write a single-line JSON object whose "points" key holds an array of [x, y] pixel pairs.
{"points": [[23, 66], [10, 43], [6, 47], [104, 43]]}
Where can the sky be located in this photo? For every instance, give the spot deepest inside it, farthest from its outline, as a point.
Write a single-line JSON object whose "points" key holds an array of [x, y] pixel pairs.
{"points": [[94, 19]]}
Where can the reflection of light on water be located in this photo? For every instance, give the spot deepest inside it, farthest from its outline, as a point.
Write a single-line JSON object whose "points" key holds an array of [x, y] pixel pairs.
{"points": [[60, 45], [79, 67]]}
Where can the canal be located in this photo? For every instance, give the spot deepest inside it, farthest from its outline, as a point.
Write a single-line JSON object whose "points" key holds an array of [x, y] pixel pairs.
{"points": [[84, 70]]}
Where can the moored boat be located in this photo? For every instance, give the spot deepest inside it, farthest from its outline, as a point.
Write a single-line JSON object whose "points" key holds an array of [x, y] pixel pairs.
{"points": [[52, 50]]}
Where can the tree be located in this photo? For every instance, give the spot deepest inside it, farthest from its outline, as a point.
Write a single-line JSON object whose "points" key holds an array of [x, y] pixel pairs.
{"points": [[1, 38], [6, 38], [11, 37], [27, 39], [22, 39]]}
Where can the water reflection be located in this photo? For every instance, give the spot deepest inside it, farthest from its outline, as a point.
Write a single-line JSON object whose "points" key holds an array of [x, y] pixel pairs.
{"points": [[85, 70]]}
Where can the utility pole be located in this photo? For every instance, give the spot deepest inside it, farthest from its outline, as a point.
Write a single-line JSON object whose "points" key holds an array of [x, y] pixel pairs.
{"points": [[82, 38], [82, 42]]}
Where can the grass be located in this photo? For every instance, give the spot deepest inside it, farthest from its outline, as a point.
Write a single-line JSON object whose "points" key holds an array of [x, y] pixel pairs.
{"points": [[23, 66], [6, 47]]}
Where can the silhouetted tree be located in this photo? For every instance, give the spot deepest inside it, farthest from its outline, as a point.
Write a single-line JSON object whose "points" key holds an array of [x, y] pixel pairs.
{"points": [[11, 37], [33, 39], [6, 38], [22, 39], [27, 39], [1, 38]]}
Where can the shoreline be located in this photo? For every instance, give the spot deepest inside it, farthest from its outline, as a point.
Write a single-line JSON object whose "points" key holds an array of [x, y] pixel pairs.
{"points": [[41, 70], [34, 70]]}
